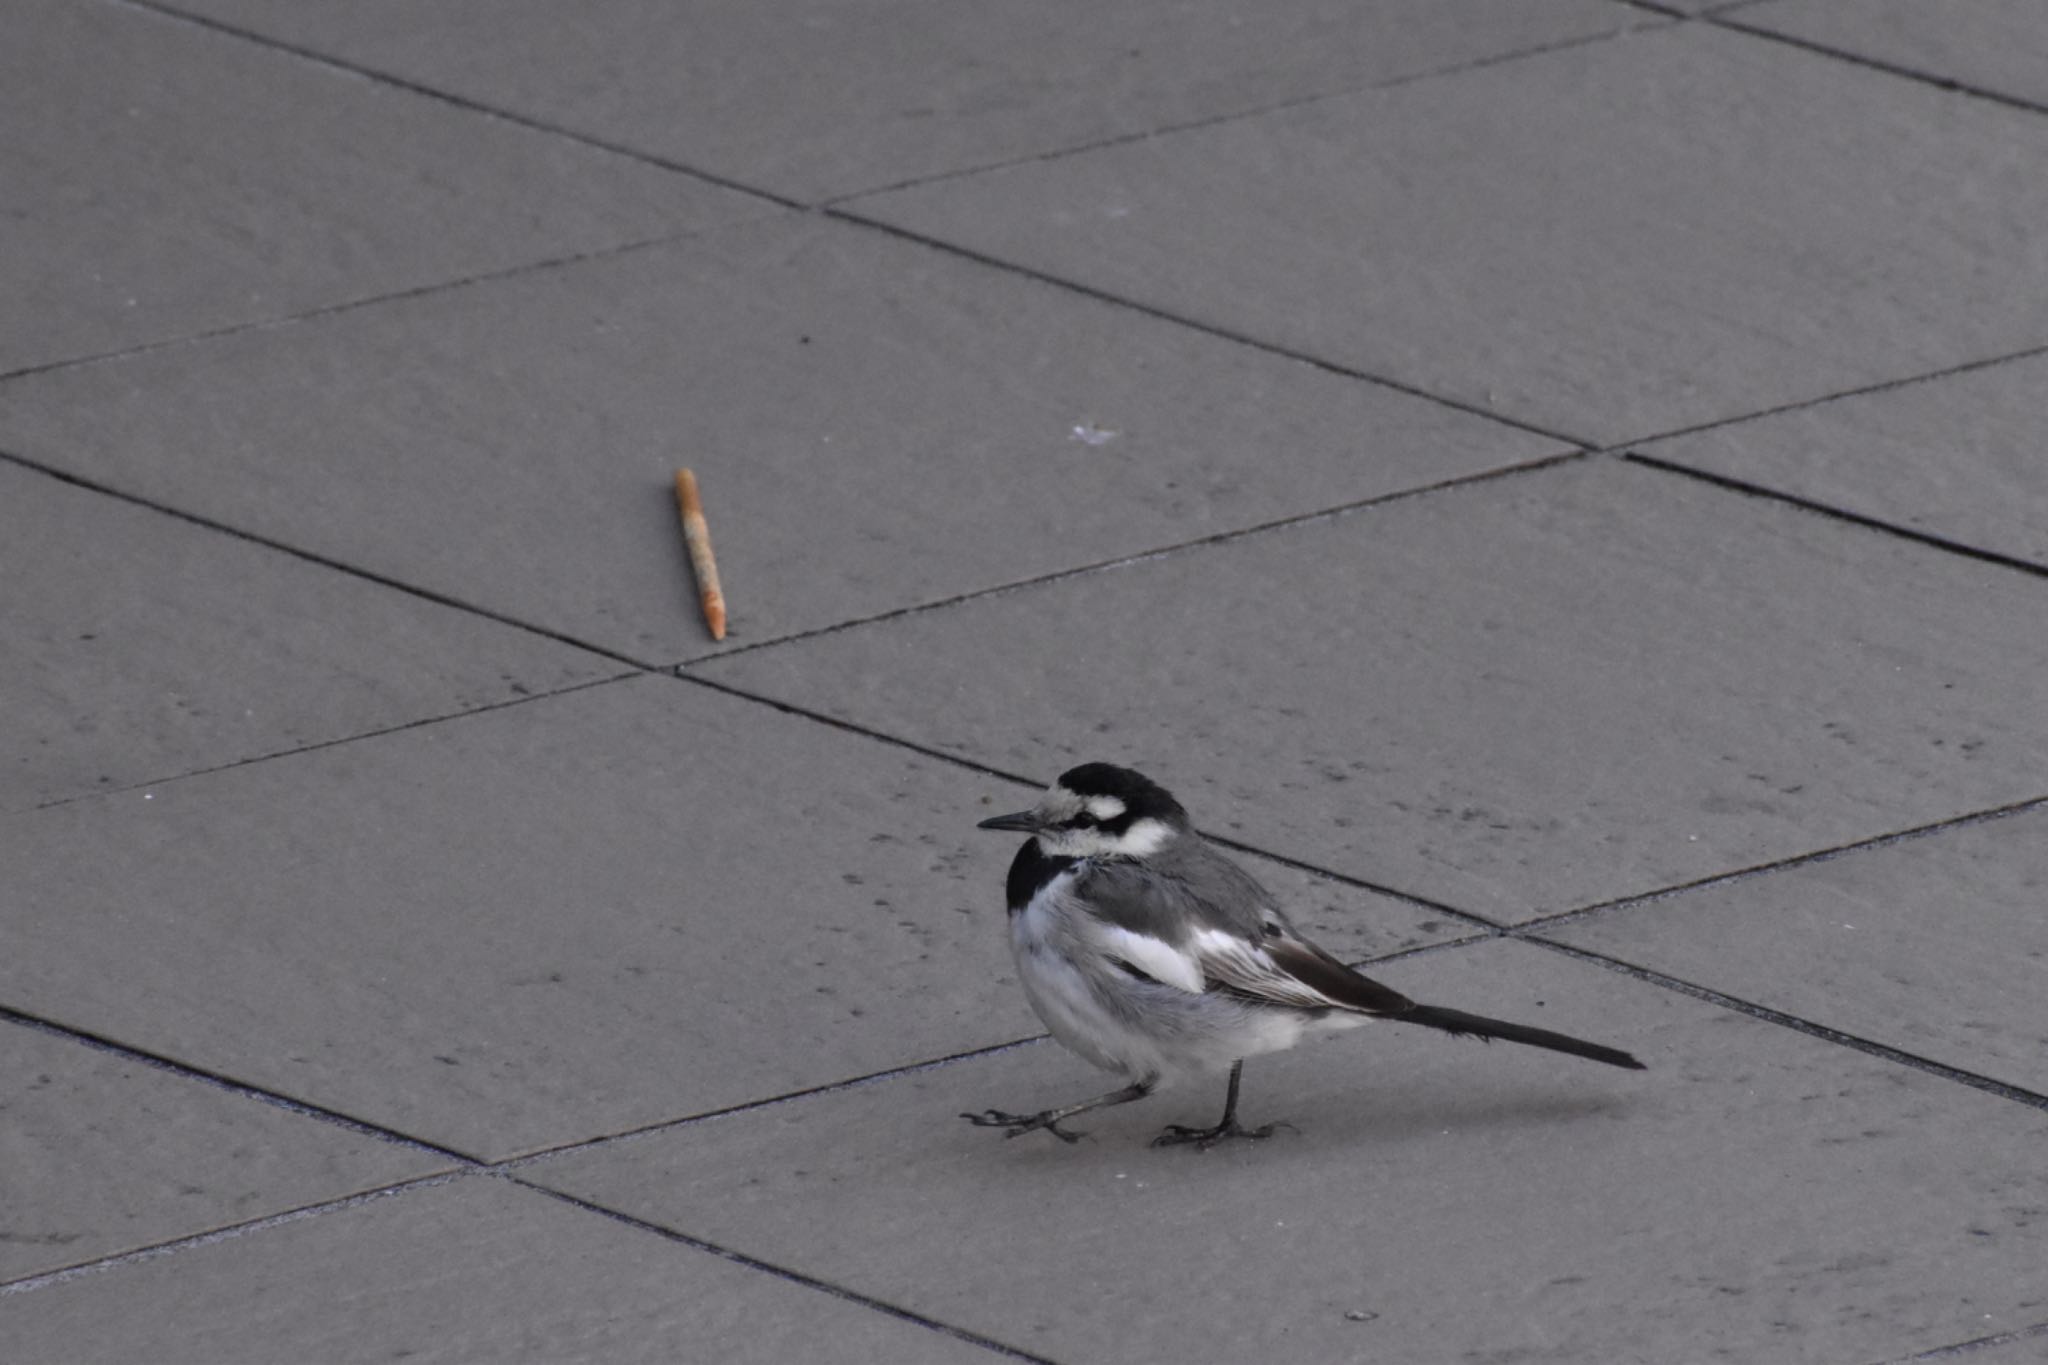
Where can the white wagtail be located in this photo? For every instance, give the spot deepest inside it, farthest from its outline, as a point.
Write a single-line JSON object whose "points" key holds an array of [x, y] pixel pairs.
{"points": [[1150, 954]]}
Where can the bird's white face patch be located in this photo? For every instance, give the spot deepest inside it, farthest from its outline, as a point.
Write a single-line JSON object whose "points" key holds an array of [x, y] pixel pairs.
{"points": [[1060, 805], [1142, 840], [1104, 808]]}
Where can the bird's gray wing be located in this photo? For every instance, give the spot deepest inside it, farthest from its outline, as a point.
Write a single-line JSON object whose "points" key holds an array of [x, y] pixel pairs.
{"points": [[1218, 920], [1285, 969]]}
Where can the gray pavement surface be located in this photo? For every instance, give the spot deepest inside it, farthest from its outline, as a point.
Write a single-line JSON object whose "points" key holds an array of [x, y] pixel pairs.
{"points": [[1559, 486]]}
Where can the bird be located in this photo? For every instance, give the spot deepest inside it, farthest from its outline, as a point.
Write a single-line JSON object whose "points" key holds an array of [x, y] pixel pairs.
{"points": [[1150, 954]]}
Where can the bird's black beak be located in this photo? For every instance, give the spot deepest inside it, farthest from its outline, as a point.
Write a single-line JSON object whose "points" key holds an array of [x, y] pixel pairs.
{"points": [[1023, 822]]}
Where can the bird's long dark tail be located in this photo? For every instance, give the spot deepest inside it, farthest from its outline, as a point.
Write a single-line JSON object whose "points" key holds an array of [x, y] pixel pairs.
{"points": [[1459, 1023]]}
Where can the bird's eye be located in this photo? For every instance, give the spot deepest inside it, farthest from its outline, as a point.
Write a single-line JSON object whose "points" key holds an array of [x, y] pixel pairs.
{"points": [[1084, 821]]}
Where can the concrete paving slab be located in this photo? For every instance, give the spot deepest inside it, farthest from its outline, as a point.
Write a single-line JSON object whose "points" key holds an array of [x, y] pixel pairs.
{"points": [[1934, 945], [1514, 697], [101, 1154], [165, 180], [549, 922], [1612, 240], [817, 99], [1442, 1201], [875, 425], [1994, 45], [474, 1269], [136, 646], [1959, 457]]}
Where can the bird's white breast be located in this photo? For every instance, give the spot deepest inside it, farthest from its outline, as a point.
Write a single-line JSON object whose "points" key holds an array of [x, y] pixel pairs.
{"points": [[1064, 979]]}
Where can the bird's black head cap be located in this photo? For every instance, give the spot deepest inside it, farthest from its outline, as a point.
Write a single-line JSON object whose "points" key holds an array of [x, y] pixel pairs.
{"points": [[1140, 796]]}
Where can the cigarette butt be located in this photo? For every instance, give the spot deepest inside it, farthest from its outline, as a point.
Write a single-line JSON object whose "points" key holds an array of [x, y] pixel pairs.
{"points": [[697, 536]]}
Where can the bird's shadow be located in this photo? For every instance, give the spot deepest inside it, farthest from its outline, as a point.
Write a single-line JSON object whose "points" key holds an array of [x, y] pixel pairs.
{"points": [[1311, 1126], [1409, 1113]]}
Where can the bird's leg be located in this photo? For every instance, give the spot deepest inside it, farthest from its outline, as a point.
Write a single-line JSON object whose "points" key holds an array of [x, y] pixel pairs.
{"points": [[1050, 1119], [1206, 1138]]}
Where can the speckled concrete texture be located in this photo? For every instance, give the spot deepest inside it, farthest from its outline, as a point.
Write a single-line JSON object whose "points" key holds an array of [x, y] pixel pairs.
{"points": [[1555, 486]]}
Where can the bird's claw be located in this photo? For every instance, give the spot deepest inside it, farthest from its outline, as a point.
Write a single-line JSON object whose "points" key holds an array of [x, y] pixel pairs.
{"points": [[1022, 1123], [1176, 1135]]}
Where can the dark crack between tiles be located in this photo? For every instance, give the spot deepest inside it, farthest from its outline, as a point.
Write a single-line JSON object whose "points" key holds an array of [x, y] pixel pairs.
{"points": [[1964, 367], [1843, 514], [1963, 1350], [1733, 23], [785, 1273], [1797, 860], [525, 697], [1124, 561], [455, 101], [1673, 11], [327, 310], [1449, 69], [627, 151], [468, 1165], [1735, 1003], [1239, 338], [888, 1074], [644, 1130], [44, 1279], [1526, 933], [214, 1236], [325, 561], [220, 1081]]}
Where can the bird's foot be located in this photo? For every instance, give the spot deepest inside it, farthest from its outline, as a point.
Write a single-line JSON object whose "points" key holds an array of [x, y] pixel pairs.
{"points": [[1176, 1135], [1023, 1123]]}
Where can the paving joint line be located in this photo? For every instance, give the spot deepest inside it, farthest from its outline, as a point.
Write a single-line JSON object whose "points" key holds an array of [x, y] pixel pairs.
{"points": [[834, 209], [1794, 862], [1449, 69], [1391, 892], [232, 1231], [1870, 1047], [1964, 367], [1869, 523], [467, 1165], [830, 203], [326, 310], [829, 207], [680, 671], [1724, 19], [325, 561], [453, 100], [1959, 1350], [1520, 931], [985, 770], [849, 727], [624, 150], [1217, 330], [887, 1074], [466, 1162], [316, 746], [668, 1125], [1671, 11], [1529, 933], [1290, 521], [785, 1273], [1489, 929], [248, 1090], [45, 1279]]}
